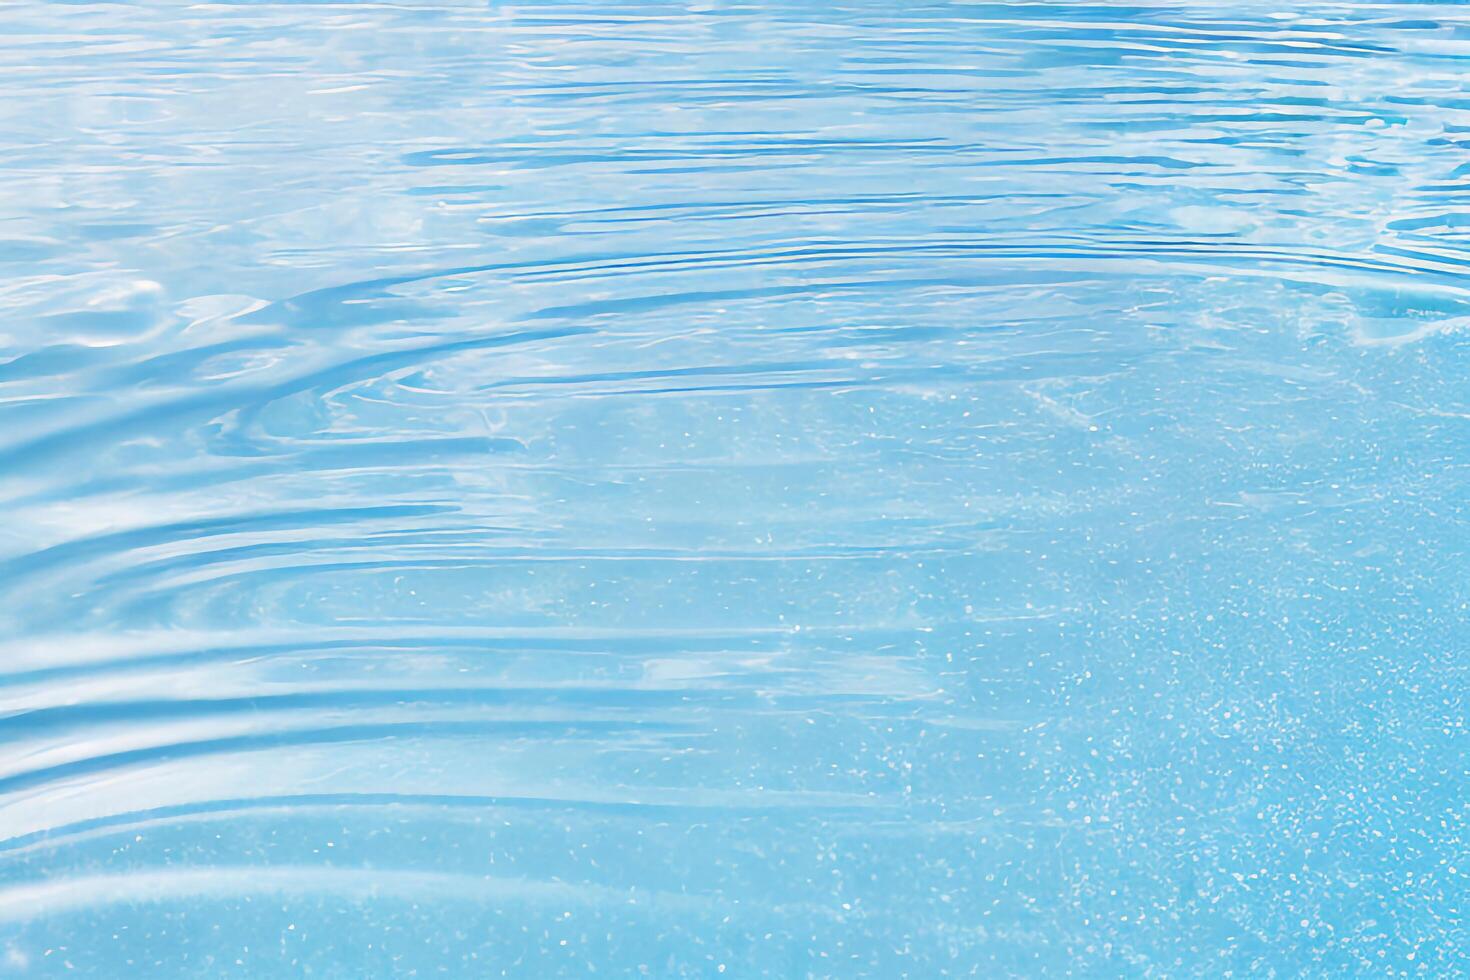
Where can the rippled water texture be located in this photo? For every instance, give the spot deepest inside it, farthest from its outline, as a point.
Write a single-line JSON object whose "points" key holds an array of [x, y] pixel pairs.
{"points": [[795, 489]]}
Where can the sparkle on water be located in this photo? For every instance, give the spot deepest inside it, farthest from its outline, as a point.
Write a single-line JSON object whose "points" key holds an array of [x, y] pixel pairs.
{"points": [[790, 489]]}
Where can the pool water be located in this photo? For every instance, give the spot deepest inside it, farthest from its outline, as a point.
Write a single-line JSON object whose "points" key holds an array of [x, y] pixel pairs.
{"points": [[764, 489]]}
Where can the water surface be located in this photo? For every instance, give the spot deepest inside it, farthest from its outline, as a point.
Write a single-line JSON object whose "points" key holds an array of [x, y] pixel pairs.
{"points": [[781, 489]]}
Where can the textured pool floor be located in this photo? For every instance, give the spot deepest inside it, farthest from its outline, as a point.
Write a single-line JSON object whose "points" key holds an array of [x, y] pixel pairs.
{"points": [[772, 489]]}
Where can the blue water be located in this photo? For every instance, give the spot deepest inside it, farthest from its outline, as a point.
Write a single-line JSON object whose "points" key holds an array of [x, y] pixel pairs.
{"points": [[774, 489]]}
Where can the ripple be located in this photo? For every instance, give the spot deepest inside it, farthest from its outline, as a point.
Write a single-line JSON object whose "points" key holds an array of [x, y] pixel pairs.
{"points": [[23, 902]]}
